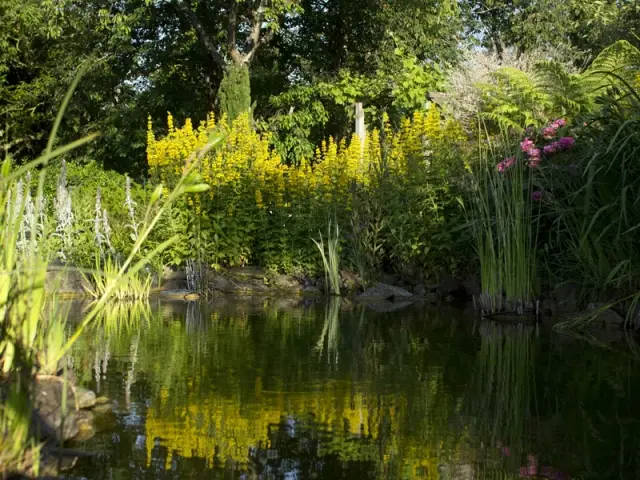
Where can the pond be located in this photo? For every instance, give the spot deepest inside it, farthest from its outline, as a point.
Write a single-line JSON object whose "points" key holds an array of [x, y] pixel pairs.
{"points": [[305, 389]]}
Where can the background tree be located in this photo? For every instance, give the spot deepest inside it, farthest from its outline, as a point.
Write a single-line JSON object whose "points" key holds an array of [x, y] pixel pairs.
{"points": [[575, 28], [385, 54], [232, 32]]}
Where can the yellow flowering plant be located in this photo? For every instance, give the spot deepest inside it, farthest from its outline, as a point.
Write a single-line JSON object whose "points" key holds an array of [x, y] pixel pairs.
{"points": [[260, 210]]}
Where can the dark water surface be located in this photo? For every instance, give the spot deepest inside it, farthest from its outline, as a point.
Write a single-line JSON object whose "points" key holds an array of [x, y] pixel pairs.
{"points": [[275, 389]]}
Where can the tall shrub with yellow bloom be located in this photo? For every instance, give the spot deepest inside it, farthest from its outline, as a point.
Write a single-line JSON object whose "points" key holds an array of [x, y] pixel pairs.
{"points": [[253, 189]]}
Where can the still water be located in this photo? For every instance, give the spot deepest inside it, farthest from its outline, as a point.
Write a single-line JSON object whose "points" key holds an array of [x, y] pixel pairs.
{"points": [[288, 390]]}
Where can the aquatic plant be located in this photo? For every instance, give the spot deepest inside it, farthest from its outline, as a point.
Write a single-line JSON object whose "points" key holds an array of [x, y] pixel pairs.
{"points": [[501, 217], [135, 288], [330, 257]]}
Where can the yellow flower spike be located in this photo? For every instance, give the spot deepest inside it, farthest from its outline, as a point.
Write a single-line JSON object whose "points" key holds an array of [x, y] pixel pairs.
{"points": [[433, 127], [170, 122]]}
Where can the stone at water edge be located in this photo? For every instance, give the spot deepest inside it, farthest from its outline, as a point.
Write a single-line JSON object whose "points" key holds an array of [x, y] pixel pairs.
{"points": [[564, 298], [285, 282], [432, 297], [351, 280], [84, 397], [103, 405], [383, 291], [606, 316], [49, 414], [84, 420], [175, 294], [420, 290]]}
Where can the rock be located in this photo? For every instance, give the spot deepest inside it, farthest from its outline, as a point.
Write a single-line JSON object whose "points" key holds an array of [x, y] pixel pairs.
{"points": [[635, 317], [432, 297], [84, 398], [246, 273], [49, 407], [84, 422], [564, 298], [285, 282], [311, 291], [218, 282], [103, 408], [66, 280], [102, 401], [383, 291], [174, 279], [471, 285], [450, 286], [389, 279], [605, 316], [174, 294], [420, 290], [351, 281], [192, 297], [385, 306]]}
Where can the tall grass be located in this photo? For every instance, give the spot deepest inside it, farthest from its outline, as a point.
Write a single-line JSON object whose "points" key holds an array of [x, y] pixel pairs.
{"points": [[504, 227], [27, 338], [595, 203], [330, 257], [24, 335], [135, 288]]}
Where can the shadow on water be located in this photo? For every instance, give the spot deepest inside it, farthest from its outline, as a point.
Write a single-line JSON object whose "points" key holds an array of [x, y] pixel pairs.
{"points": [[282, 389]]}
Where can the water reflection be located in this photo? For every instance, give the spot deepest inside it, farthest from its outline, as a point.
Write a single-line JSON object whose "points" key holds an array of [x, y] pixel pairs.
{"points": [[330, 331], [277, 389]]}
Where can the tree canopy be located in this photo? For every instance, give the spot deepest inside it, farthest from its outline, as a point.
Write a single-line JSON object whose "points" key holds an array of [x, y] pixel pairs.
{"points": [[307, 60]]}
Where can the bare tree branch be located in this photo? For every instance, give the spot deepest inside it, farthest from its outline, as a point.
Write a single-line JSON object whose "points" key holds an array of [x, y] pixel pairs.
{"points": [[266, 38], [255, 41], [202, 33], [232, 25], [256, 27]]}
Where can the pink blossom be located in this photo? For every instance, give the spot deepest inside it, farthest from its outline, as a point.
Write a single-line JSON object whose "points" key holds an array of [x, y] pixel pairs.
{"points": [[506, 163], [565, 143], [534, 153], [561, 122], [509, 162], [551, 148], [534, 162], [527, 144], [537, 195], [549, 132]]}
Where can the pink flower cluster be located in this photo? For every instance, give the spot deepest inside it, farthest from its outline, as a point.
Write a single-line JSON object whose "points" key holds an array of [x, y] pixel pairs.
{"points": [[506, 164], [535, 153]]}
